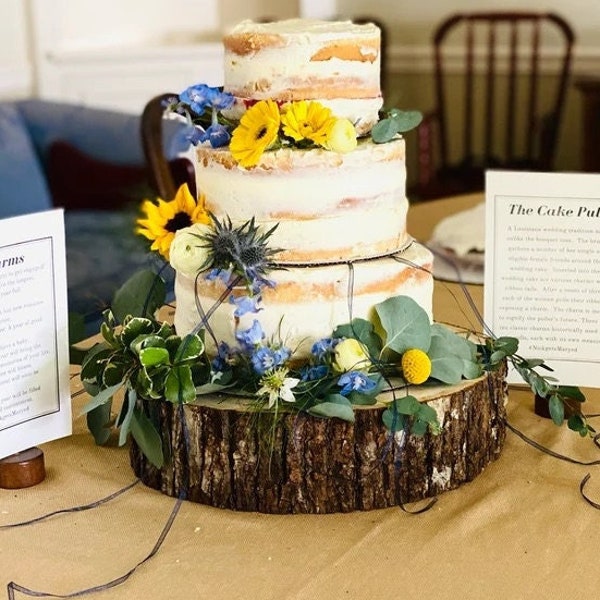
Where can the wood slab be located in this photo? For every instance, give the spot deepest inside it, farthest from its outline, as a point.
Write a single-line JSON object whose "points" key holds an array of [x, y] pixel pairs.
{"points": [[225, 454]]}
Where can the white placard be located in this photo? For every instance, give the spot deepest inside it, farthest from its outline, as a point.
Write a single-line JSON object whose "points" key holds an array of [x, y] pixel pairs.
{"points": [[35, 402], [542, 269]]}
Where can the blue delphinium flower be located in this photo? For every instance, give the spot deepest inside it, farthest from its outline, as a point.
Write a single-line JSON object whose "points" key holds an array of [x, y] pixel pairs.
{"points": [[281, 354], [355, 381], [250, 338], [324, 347], [312, 373], [245, 304], [223, 274], [224, 355], [201, 96], [263, 360]]}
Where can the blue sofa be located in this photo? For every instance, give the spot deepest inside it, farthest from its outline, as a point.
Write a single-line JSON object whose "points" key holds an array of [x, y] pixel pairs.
{"points": [[90, 162]]}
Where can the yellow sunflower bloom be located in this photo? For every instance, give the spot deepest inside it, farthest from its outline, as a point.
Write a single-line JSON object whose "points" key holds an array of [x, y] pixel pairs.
{"points": [[307, 121], [163, 219], [257, 131]]}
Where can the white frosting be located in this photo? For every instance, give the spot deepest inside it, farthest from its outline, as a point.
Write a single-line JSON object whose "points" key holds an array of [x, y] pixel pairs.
{"points": [[282, 61], [328, 206], [308, 303], [301, 31], [332, 210]]}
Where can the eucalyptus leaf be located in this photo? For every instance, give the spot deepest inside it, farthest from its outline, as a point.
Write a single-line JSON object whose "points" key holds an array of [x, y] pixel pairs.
{"points": [[335, 406], [405, 120], [575, 423], [455, 344], [419, 428], [471, 369], [572, 392], [393, 420], [447, 369], [407, 405], [384, 131], [146, 437], [141, 296], [557, 409], [406, 324], [509, 345]]}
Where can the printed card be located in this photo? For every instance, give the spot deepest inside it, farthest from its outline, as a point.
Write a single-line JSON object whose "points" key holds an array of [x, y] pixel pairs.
{"points": [[35, 402], [542, 269]]}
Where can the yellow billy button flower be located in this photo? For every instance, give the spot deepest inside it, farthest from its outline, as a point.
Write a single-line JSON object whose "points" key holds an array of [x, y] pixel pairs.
{"points": [[351, 355], [164, 219], [304, 120], [342, 137], [257, 131], [416, 366]]}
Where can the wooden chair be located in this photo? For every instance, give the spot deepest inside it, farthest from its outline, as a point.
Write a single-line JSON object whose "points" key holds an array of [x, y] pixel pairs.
{"points": [[500, 85], [165, 176]]}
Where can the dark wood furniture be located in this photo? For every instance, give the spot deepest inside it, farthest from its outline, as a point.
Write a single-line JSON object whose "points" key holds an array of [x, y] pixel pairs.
{"points": [[165, 176], [589, 86], [498, 103]]}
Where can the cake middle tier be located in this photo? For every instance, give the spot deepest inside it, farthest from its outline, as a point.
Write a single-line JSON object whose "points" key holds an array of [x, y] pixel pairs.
{"points": [[327, 206], [307, 303]]}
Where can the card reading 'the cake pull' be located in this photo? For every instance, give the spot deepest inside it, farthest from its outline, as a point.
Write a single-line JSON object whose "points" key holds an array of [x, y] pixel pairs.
{"points": [[542, 269], [35, 403]]}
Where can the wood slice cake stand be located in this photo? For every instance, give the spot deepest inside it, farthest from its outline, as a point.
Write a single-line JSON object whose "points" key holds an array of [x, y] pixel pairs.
{"points": [[230, 456]]}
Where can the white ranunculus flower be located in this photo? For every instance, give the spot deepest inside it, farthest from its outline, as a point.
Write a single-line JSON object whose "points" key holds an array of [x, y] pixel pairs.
{"points": [[187, 253], [351, 355]]}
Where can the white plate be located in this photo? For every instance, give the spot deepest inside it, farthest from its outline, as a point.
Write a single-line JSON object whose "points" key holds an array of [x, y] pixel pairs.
{"points": [[447, 266]]}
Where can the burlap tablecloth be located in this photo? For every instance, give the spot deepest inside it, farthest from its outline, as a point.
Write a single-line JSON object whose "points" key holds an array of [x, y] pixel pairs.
{"points": [[520, 530]]}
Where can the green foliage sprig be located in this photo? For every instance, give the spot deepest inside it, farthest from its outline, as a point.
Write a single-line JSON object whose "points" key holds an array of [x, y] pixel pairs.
{"points": [[561, 399], [395, 121]]}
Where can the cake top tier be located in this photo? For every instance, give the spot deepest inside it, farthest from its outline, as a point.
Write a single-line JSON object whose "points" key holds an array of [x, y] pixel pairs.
{"points": [[336, 63], [249, 36]]}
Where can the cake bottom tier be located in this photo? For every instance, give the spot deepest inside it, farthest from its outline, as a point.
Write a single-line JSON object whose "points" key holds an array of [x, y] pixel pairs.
{"points": [[223, 454], [308, 302]]}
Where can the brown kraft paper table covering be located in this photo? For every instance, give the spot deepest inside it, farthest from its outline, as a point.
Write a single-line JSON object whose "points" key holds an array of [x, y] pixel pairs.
{"points": [[520, 530]]}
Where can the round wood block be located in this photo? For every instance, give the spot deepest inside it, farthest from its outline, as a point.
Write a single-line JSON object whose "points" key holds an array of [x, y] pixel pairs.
{"points": [[224, 454], [22, 469]]}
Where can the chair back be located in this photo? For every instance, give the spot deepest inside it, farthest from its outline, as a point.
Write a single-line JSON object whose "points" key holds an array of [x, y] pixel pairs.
{"points": [[165, 175], [500, 85]]}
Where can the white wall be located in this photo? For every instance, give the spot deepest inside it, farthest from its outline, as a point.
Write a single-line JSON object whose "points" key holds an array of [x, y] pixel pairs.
{"points": [[117, 52]]}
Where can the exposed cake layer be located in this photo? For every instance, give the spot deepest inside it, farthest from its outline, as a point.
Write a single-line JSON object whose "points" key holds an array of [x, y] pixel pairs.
{"points": [[304, 59], [328, 206], [308, 303]]}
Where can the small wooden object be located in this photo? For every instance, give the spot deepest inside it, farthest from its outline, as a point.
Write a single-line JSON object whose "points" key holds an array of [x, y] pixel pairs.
{"points": [[23, 469]]}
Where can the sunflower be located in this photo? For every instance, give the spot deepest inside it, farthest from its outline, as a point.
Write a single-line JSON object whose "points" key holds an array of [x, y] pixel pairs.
{"points": [[307, 121], [165, 218], [257, 131]]}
